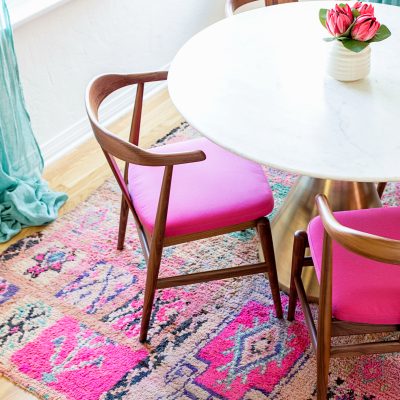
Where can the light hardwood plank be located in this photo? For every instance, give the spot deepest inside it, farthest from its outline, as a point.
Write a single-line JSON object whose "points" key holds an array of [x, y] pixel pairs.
{"points": [[84, 169], [9, 391]]}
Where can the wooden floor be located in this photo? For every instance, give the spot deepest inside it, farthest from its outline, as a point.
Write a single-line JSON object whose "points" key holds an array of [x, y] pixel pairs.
{"points": [[83, 170]]}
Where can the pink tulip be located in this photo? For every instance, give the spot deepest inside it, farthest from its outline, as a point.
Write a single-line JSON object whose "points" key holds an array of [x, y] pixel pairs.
{"points": [[339, 19], [365, 28], [363, 8], [345, 9]]}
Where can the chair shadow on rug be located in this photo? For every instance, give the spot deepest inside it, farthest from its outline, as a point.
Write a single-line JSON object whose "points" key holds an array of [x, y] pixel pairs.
{"points": [[354, 254], [182, 192]]}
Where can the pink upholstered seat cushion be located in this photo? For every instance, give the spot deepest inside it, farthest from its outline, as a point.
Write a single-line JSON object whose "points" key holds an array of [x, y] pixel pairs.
{"points": [[363, 290], [223, 190]]}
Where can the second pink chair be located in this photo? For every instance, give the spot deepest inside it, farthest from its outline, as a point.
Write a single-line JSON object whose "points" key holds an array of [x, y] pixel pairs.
{"points": [[354, 254]]}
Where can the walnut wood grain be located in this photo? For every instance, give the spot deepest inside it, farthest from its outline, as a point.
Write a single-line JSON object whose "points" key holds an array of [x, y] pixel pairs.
{"points": [[97, 91], [371, 246], [381, 188], [174, 240], [364, 244], [351, 350], [156, 247], [213, 275], [343, 328], [153, 242], [324, 332]]}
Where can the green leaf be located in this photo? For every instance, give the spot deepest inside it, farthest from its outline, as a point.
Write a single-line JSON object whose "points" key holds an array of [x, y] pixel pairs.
{"points": [[382, 34], [354, 45], [329, 39], [322, 16], [355, 12], [347, 33]]}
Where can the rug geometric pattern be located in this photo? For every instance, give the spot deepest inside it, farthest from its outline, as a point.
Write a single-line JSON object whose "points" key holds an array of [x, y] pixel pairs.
{"points": [[71, 306]]}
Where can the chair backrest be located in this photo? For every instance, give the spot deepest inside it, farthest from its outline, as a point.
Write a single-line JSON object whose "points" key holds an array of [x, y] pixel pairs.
{"points": [[114, 147], [371, 246], [232, 5], [98, 90]]}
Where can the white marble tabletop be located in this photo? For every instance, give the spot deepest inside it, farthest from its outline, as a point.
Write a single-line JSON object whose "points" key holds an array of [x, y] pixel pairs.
{"points": [[256, 84]]}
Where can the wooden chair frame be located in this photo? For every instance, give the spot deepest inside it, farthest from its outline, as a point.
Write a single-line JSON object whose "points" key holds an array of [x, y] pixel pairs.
{"points": [[232, 5], [153, 243], [367, 245], [381, 188]]}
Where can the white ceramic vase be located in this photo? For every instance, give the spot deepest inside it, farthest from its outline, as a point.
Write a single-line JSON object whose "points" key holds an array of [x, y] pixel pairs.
{"points": [[346, 65]]}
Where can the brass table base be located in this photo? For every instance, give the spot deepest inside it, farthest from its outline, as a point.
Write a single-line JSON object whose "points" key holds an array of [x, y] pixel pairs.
{"points": [[299, 208]]}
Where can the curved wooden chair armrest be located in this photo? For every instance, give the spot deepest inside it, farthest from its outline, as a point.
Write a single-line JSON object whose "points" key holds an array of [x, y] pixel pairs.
{"points": [[101, 87], [132, 154], [371, 246], [232, 5]]}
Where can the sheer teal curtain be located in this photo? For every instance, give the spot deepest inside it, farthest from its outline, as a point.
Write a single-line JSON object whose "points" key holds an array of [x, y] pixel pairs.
{"points": [[25, 199], [390, 2]]}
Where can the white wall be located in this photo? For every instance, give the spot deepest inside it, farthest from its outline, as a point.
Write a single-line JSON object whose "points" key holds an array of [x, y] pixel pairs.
{"points": [[60, 51]]}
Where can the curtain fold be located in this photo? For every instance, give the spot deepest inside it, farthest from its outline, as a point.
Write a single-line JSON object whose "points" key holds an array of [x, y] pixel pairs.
{"points": [[25, 199]]}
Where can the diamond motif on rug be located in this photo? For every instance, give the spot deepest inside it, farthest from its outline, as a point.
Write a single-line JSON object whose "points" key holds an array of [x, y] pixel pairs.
{"points": [[254, 348], [254, 351]]}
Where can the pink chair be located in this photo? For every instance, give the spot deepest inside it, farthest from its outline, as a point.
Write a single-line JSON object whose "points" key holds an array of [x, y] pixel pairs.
{"points": [[182, 192], [354, 254]]}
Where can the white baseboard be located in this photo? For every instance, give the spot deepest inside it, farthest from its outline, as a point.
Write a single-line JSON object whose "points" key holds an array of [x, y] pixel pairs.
{"points": [[79, 132]]}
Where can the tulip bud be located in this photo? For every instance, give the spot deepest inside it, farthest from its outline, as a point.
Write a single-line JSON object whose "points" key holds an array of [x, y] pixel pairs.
{"points": [[363, 8], [365, 28], [345, 9], [339, 19]]}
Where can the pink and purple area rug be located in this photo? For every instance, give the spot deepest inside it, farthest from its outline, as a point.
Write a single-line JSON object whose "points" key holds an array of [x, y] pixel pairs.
{"points": [[71, 306]]}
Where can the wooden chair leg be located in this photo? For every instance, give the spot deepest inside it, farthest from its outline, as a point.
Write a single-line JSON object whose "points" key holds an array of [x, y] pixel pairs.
{"points": [[323, 353], [264, 232], [156, 248], [299, 248], [324, 333], [123, 220], [323, 358], [153, 268], [381, 188]]}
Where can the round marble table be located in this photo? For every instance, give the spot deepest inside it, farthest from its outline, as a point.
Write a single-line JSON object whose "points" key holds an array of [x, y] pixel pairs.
{"points": [[256, 84]]}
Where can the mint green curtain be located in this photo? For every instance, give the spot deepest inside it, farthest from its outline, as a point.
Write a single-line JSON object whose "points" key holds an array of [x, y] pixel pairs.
{"points": [[25, 199], [390, 2]]}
